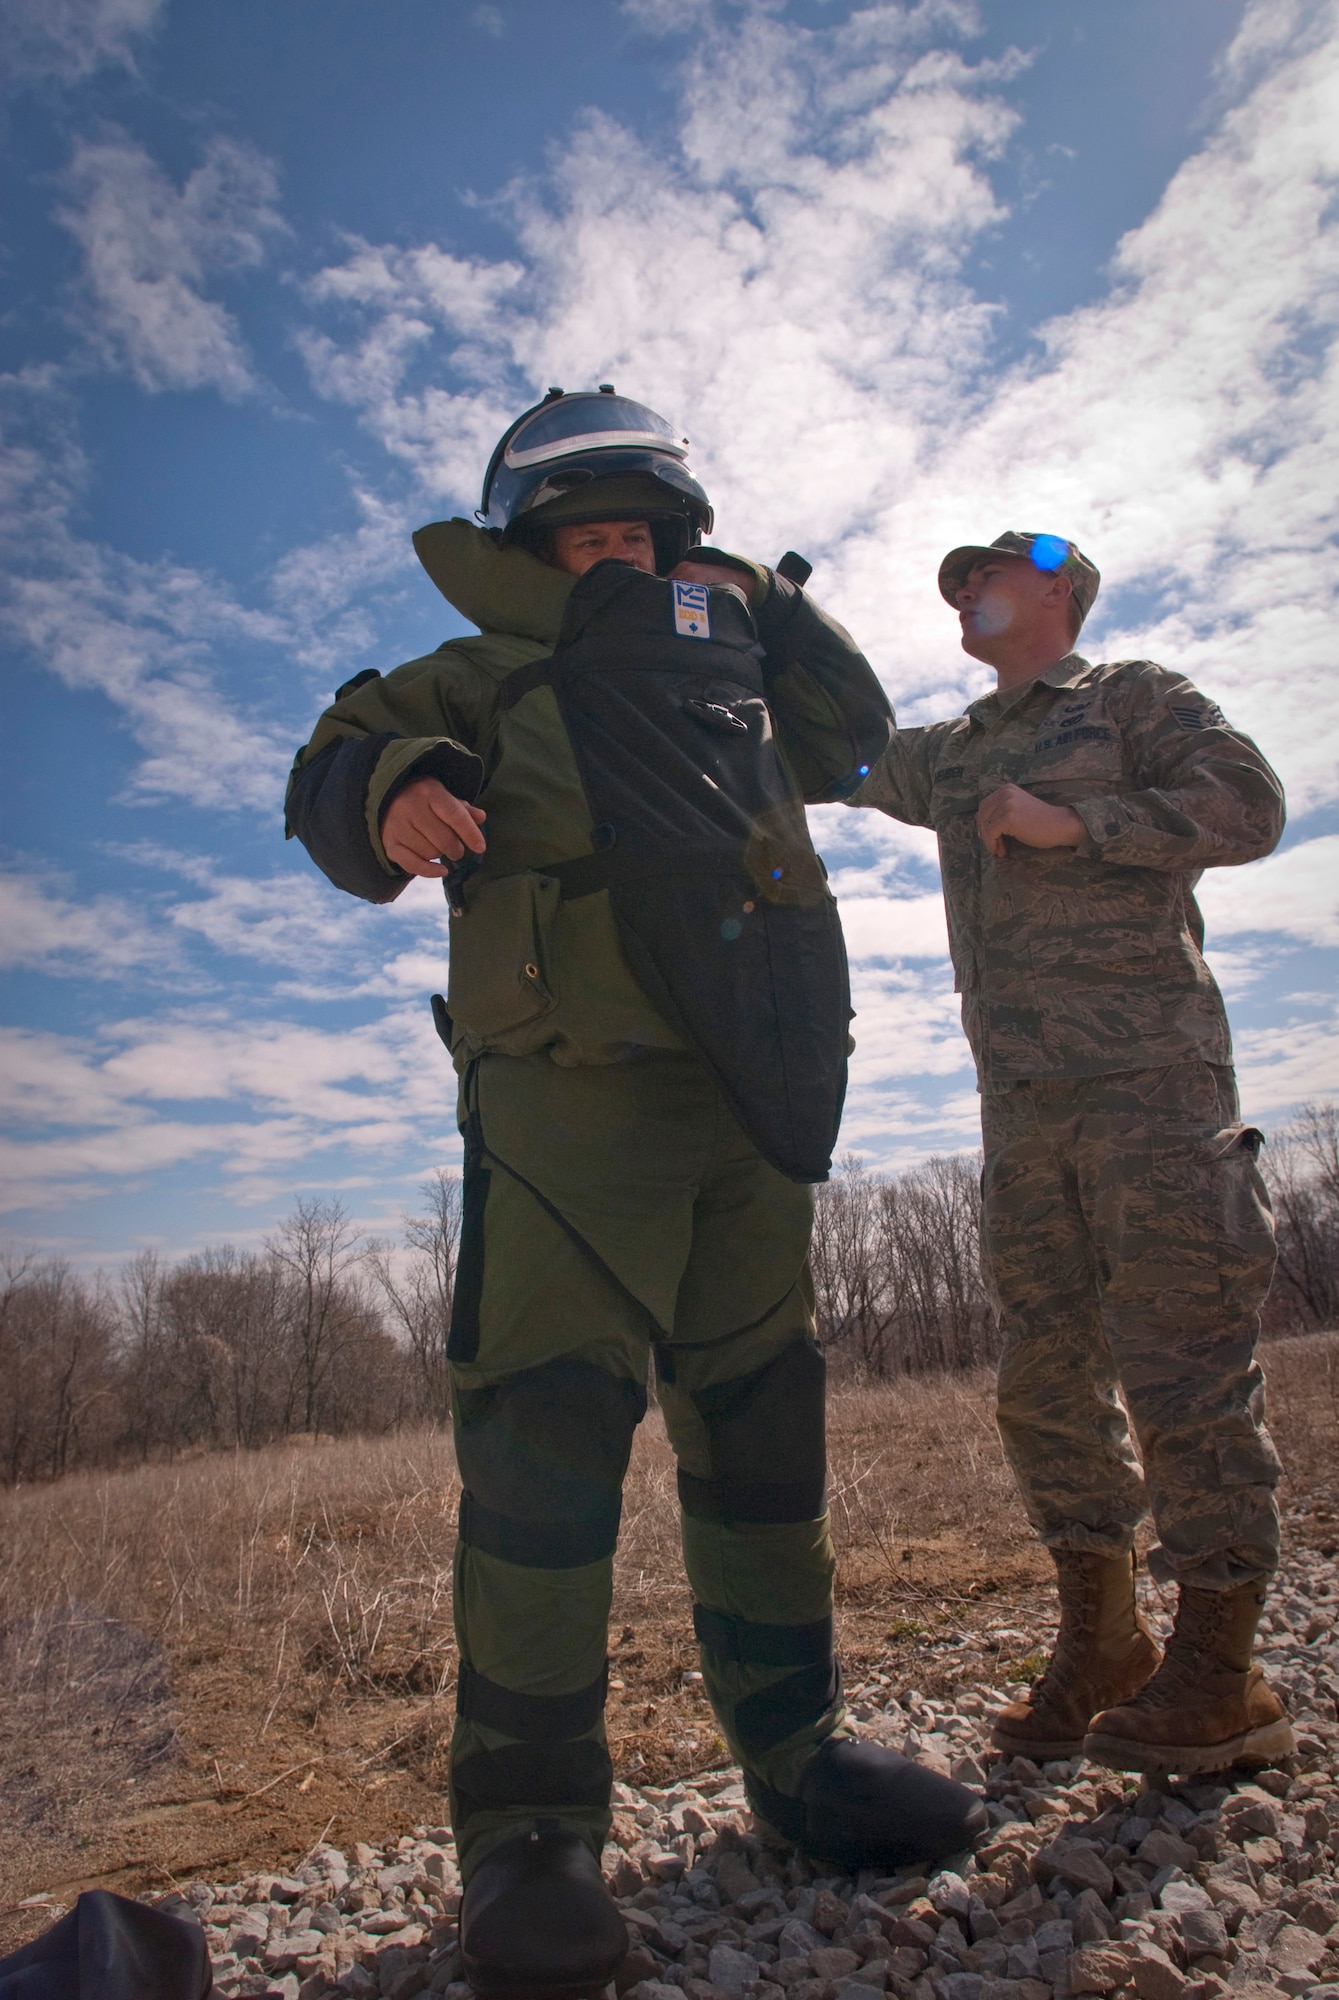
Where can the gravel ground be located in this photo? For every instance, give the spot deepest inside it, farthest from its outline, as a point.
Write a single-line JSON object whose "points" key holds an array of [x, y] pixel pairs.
{"points": [[1087, 1883]]}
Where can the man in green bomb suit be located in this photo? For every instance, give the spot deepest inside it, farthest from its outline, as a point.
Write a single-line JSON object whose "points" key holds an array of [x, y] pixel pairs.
{"points": [[1126, 1231], [648, 1009]]}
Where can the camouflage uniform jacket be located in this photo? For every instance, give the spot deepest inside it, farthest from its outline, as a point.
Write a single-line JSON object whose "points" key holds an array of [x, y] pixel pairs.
{"points": [[1083, 961], [528, 969]]}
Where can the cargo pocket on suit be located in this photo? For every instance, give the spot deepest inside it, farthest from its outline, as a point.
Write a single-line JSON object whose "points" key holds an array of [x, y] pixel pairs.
{"points": [[499, 981], [1247, 1459]]}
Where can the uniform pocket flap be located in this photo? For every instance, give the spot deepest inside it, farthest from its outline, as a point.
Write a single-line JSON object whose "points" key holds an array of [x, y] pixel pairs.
{"points": [[1249, 1137], [499, 976]]}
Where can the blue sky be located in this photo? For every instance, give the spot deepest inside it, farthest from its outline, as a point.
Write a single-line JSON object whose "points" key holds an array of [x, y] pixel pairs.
{"points": [[275, 278]]}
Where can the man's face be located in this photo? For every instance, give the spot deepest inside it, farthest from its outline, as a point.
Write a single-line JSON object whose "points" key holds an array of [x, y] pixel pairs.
{"points": [[1006, 599], [578, 548]]}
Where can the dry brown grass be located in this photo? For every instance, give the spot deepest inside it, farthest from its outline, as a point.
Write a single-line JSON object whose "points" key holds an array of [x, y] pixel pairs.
{"points": [[206, 1666]]}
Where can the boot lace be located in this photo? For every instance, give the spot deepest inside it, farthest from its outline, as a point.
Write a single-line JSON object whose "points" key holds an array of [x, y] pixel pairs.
{"points": [[1185, 1671], [1078, 1619]]}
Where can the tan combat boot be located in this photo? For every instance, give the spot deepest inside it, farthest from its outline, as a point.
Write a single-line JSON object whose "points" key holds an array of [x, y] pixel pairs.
{"points": [[1206, 1707], [1103, 1653]]}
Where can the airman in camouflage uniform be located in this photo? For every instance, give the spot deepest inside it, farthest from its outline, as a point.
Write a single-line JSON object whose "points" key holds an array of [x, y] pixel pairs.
{"points": [[1127, 1236]]}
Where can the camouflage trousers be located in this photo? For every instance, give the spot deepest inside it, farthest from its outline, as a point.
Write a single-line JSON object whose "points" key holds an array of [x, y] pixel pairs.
{"points": [[612, 1215], [1128, 1242]]}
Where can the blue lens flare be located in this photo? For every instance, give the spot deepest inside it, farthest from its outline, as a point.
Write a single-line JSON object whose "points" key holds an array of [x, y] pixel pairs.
{"points": [[1049, 551]]}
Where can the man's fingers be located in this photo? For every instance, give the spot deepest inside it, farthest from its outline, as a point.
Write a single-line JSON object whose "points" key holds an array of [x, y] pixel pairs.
{"points": [[447, 821], [414, 864], [427, 829]]}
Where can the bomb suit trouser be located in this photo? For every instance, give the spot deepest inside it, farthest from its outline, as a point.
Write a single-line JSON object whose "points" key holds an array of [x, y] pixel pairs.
{"points": [[1128, 1240], [613, 1215]]}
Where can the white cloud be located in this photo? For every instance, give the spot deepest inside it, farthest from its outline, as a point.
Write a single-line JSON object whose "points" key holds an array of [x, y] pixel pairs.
{"points": [[1295, 893], [787, 286], [145, 636], [69, 39], [1291, 1061], [149, 248], [787, 281], [894, 926], [138, 1097], [44, 930]]}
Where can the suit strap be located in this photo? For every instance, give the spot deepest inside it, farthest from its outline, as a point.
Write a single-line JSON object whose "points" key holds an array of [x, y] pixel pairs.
{"points": [[524, 680]]}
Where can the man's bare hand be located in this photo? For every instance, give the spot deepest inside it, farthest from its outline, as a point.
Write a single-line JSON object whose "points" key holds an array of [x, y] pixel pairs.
{"points": [[1012, 813], [714, 575], [426, 829]]}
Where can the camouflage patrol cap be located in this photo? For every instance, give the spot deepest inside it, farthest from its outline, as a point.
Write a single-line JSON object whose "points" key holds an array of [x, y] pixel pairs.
{"points": [[1048, 552]]}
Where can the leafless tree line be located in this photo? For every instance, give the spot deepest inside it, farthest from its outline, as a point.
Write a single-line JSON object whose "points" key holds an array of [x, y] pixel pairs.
{"points": [[317, 1333], [323, 1332], [1301, 1164], [897, 1269]]}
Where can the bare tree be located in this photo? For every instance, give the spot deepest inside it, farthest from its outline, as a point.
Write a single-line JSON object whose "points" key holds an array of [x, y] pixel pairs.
{"points": [[419, 1295], [57, 1405], [18, 1413], [896, 1268], [1301, 1165], [1316, 1131], [318, 1247], [854, 1287]]}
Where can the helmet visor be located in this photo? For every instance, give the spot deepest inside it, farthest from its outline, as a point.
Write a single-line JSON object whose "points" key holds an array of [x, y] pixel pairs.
{"points": [[588, 423]]}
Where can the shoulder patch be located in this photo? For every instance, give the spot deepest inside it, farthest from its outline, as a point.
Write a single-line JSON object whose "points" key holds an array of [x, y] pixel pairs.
{"points": [[1201, 714], [692, 610], [356, 681]]}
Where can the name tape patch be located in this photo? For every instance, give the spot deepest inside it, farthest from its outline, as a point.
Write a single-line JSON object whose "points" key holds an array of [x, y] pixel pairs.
{"points": [[692, 610]]}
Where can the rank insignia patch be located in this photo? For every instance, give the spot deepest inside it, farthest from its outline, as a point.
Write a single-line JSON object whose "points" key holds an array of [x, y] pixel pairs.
{"points": [[692, 610], [1202, 715]]}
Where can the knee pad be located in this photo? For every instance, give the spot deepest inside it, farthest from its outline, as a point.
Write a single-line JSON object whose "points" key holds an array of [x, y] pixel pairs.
{"points": [[765, 1432], [542, 1458]]}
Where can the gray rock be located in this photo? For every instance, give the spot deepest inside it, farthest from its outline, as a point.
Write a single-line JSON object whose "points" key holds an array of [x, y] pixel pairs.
{"points": [[1178, 1895], [949, 1894], [358, 1983], [282, 1953], [798, 1939], [730, 1969], [961, 1986], [1024, 1960], [1203, 1931], [1295, 1950]]}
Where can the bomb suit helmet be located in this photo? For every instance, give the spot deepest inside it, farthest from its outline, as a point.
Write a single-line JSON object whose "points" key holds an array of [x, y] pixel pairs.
{"points": [[594, 456]]}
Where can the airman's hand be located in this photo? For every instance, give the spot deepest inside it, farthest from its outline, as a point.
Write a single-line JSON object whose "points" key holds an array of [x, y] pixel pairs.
{"points": [[426, 829], [714, 575], [1012, 813]]}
